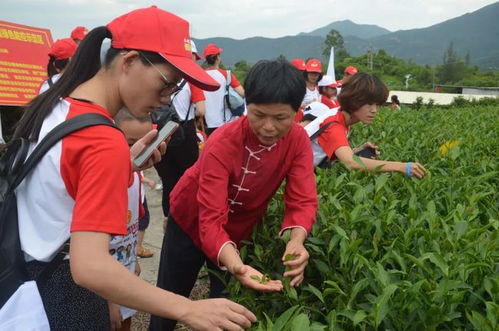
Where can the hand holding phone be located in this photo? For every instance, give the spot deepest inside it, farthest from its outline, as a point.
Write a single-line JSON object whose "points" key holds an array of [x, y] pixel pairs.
{"points": [[367, 152], [163, 134]]}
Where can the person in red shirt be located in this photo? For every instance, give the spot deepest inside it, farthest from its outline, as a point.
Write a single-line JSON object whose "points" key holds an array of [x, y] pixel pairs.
{"points": [[218, 201], [360, 98], [327, 89], [349, 72], [80, 185]]}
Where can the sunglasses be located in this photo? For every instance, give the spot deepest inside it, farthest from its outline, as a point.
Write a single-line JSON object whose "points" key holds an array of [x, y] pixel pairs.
{"points": [[169, 87]]}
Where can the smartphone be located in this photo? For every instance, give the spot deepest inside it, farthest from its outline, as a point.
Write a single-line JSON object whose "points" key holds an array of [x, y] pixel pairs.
{"points": [[165, 132], [368, 153]]}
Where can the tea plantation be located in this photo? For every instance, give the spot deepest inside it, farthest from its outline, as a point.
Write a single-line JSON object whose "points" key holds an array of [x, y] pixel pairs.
{"points": [[389, 252]]}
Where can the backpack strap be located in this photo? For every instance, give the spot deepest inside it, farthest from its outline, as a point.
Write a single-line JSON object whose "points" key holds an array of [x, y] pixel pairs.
{"points": [[321, 130], [228, 80], [60, 131]]}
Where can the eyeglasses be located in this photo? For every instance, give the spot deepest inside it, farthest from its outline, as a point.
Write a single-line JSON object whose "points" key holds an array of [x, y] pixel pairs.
{"points": [[168, 87]]}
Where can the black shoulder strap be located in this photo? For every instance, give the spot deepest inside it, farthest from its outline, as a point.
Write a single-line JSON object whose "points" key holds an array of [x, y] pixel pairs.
{"points": [[321, 130], [65, 128]]}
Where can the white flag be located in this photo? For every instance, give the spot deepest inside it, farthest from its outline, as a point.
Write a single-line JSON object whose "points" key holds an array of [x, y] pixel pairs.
{"points": [[330, 66]]}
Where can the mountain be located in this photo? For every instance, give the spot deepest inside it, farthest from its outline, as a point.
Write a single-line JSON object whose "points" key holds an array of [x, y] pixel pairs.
{"points": [[476, 33], [258, 48], [349, 28]]}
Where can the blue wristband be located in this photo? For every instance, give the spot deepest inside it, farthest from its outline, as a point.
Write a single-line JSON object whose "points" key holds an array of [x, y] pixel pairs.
{"points": [[408, 169]]}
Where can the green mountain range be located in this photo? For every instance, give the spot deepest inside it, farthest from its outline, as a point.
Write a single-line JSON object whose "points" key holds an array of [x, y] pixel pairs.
{"points": [[476, 33]]}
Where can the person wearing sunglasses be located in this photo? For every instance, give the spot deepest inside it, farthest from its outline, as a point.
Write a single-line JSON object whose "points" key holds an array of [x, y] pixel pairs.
{"points": [[78, 191]]}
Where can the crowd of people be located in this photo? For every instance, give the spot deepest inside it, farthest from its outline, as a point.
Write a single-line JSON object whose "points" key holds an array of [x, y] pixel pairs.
{"points": [[296, 118]]}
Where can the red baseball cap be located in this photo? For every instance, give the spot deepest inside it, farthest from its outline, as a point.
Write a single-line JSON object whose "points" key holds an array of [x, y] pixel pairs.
{"points": [[299, 64], [63, 49], [155, 30], [212, 49], [351, 70], [79, 33], [314, 65]]}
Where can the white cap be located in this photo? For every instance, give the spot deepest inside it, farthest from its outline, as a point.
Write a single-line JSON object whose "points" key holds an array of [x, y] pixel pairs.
{"points": [[193, 47], [194, 51], [326, 81], [315, 109]]}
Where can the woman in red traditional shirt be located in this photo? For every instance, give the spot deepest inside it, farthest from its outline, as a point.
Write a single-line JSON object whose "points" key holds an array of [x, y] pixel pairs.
{"points": [[220, 199]]}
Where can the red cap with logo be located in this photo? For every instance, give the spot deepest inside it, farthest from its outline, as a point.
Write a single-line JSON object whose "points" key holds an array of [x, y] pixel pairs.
{"points": [[63, 49], [314, 65], [299, 64], [79, 33], [212, 49], [155, 30], [351, 70]]}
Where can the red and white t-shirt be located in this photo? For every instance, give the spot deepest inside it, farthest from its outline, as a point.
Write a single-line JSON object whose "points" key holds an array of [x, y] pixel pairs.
{"points": [[79, 185], [217, 114], [186, 99], [334, 137], [226, 192]]}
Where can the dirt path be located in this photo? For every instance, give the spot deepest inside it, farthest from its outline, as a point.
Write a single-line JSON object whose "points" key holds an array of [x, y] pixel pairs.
{"points": [[153, 240]]}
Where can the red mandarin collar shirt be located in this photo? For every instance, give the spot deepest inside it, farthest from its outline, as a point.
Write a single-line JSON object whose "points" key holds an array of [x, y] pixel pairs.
{"points": [[226, 192]]}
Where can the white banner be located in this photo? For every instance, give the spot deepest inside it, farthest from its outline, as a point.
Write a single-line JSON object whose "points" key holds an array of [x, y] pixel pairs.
{"points": [[330, 66]]}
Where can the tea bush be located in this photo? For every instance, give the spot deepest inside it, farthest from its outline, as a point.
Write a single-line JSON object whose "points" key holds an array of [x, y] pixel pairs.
{"points": [[390, 252]]}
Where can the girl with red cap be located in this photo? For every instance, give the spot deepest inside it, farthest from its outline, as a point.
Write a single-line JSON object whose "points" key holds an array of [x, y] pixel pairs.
{"points": [[313, 74], [59, 56], [217, 114], [78, 191]]}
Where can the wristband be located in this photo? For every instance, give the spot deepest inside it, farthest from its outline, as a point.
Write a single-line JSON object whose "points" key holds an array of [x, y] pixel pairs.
{"points": [[408, 169]]}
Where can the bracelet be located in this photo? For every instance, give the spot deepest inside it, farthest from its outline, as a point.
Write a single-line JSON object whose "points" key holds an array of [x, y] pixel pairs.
{"points": [[408, 169]]}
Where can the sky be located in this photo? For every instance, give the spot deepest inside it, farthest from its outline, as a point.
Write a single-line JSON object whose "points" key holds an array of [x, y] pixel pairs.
{"points": [[241, 19]]}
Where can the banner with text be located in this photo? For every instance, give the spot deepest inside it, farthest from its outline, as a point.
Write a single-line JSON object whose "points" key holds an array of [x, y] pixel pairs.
{"points": [[23, 62]]}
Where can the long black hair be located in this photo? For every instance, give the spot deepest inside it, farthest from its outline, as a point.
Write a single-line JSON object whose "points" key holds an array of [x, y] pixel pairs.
{"points": [[83, 66]]}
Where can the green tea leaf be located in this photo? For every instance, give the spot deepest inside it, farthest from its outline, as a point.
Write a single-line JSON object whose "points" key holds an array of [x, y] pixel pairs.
{"points": [[300, 323], [285, 317]]}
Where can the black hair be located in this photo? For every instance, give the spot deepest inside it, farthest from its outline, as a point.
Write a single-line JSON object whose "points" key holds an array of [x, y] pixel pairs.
{"points": [[211, 59], [83, 66], [55, 66], [395, 99], [305, 75], [274, 81]]}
